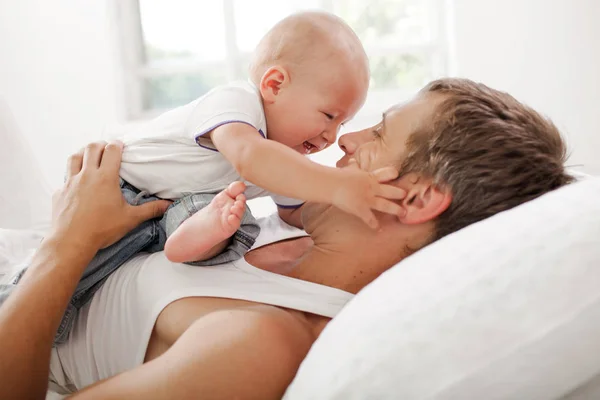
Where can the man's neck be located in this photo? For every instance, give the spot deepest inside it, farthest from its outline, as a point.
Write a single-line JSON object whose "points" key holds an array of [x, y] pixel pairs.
{"points": [[301, 259], [335, 268]]}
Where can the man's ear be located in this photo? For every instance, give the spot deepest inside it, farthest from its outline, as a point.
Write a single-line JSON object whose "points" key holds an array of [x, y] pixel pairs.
{"points": [[272, 82], [424, 201]]}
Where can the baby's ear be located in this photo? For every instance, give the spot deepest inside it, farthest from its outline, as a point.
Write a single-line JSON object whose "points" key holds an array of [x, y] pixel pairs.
{"points": [[424, 200], [273, 80]]}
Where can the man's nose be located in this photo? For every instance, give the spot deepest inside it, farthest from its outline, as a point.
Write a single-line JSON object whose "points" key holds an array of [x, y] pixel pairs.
{"points": [[349, 143]]}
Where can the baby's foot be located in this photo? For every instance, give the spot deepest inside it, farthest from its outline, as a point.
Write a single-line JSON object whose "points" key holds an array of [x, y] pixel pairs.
{"points": [[206, 233], [226, 210]]}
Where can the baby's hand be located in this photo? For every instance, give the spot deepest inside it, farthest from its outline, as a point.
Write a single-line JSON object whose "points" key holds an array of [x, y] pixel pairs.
{"points": [[361, 192]]}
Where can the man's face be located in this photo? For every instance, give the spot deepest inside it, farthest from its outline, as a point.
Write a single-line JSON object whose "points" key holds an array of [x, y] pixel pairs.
{"points": [[376, 147], [385, 143]]}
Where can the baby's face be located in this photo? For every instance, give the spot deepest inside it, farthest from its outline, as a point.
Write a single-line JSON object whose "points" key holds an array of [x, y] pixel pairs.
{"points": [[308, 113]]}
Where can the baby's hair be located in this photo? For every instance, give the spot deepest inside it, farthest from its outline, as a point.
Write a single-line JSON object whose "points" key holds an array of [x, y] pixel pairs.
{"points": [[304, 37]]}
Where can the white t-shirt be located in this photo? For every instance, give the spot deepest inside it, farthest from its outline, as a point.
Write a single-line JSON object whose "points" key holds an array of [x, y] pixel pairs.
{"points": [[169, 156], [112, 331]]}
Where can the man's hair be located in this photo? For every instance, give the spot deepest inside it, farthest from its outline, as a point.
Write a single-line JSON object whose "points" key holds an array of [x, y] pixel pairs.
{"points": [[492, 152]]}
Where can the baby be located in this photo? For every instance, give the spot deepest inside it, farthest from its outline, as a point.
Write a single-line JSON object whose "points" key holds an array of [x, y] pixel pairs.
{"points": [[308, 76]]}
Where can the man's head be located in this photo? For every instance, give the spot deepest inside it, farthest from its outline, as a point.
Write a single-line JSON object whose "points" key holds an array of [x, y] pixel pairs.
{"points": [[312, 73], [464, 152], [490, 151]]}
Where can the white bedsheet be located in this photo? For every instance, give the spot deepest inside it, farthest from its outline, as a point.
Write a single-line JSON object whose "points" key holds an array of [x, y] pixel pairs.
{"points": [[16, 248], [25, 197]]}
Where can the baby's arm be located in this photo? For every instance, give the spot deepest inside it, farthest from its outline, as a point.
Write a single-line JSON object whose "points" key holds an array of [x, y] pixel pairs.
{"points": [[273, 166], [279, 169]]}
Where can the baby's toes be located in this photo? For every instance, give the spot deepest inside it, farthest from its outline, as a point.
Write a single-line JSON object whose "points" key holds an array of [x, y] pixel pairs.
{"points": [[238, 209], [235, 189]]}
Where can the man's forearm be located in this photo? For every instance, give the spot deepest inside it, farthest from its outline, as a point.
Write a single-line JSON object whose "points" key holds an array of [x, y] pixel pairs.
{"points": [[88, 213], [30, 317]]}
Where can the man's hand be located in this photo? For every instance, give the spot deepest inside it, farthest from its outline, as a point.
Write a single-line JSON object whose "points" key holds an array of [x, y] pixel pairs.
{"points": [[89, 213], [360, 192], [90, 210]]}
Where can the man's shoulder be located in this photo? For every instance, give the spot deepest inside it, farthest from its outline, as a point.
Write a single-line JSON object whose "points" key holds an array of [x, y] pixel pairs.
{"points": [[254, 321], [253, 348], [285, 331]]}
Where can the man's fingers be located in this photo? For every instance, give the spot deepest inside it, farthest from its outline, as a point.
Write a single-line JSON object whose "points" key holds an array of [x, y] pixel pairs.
{"points": [[391, 192], [111, 159], [152, 209], [74, 164], [388, 207], [385, 174], [92, 155]]}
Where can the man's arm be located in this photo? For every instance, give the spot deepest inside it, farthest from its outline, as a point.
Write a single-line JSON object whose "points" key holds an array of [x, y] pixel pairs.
{"points": [[83, 222], [243, 353]]}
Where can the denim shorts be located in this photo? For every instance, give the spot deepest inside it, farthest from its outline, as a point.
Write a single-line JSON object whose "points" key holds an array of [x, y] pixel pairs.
{"points": [[149, 236]]}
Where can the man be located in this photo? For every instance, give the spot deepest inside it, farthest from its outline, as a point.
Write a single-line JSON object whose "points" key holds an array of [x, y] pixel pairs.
{"points": [[464, 152]]}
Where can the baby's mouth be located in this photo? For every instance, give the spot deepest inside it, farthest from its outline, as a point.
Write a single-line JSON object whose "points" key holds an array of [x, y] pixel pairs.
{"points": [[308, 147]]}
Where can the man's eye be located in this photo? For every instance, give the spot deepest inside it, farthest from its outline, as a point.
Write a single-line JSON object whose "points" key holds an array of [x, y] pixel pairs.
{"points": [[376, 133], [329, 116]]}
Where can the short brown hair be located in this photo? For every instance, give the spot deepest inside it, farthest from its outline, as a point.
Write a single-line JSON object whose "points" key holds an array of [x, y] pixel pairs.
{"points": [[491, 151]]}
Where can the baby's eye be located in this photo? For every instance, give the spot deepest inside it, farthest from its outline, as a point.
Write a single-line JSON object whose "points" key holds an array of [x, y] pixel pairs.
{"points": [[329, 116]]}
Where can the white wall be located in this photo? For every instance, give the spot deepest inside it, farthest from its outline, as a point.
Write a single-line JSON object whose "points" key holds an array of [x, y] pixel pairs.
{"points": [[58, 74], [544, 52], [59, 69]]}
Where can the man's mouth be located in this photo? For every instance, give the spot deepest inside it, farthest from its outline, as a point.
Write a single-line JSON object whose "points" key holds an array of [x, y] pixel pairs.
{"points": [[309, 148]]}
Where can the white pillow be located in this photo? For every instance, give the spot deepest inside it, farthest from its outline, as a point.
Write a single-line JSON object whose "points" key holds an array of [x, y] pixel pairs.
{"points": [[25, 196], [508, 308]]}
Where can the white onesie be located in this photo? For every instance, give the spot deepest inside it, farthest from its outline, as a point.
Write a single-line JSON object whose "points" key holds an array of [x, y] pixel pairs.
{"points": [[169, 156]]}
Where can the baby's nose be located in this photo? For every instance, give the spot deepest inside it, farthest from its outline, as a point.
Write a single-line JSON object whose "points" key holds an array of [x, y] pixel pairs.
{"points": [[330, 136]]}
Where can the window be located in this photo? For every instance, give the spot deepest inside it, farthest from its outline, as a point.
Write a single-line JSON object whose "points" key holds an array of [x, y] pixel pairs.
{"points": [[176, 51]]}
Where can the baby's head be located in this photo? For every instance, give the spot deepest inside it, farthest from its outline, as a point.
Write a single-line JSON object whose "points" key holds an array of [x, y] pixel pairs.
{"points": [[313, 75]]}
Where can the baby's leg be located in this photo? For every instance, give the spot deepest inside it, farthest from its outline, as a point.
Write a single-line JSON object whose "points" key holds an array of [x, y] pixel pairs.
{"points": [[207, 233]]}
